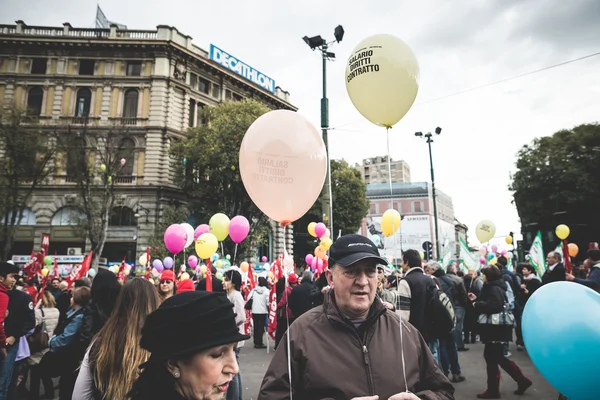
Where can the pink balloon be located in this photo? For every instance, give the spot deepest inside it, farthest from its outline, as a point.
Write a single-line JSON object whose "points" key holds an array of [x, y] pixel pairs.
{"points": [[239, 227], [319, 265], [308, 259], [283, 153], [264, 258], [313, 263], [494, 248], [320, 229], [175, 238], [204, 228], [482, 260], [192, 261]]}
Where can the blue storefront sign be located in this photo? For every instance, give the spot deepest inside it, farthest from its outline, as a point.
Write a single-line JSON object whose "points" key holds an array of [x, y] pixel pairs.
{"points": [[241, 68]]}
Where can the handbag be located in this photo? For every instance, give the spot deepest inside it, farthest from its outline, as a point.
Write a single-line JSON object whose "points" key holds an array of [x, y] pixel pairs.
{"points": [[248, 305], [39, 339]]}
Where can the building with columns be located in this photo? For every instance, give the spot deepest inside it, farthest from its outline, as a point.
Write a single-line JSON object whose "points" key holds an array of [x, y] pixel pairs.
{"points": [[153, 83]]}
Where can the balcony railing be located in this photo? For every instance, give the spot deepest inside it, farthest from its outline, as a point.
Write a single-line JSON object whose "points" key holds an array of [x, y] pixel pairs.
{"points": [[79, 120], [129, 121], [118, 180], [139, 35]]}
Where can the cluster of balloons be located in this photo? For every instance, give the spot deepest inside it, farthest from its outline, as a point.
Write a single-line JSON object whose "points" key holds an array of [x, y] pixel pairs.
{"points": [[319, 231], [562, 232], [490, 254]]}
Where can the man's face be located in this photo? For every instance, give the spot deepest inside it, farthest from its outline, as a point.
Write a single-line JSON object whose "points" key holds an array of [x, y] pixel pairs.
{"points": [[355, 287], [526, 272], [9, 281], [551, 259], [428, 270], [55, 283], [380, 273], [405, 266]]}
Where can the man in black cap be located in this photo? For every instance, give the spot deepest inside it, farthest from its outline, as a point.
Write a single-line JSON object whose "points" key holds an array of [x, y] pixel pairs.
{"points": [[353, 346]]}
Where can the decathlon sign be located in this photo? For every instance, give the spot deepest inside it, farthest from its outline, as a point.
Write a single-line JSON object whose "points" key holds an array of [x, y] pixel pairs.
{"points": [[241, 68]]}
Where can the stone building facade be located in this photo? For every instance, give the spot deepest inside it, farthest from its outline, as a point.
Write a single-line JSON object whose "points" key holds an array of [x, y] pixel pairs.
{"points": [[151, 83]]}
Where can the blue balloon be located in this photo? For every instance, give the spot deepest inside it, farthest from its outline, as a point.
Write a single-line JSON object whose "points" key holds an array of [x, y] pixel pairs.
{"points": [[491, 256], [561, 330]]}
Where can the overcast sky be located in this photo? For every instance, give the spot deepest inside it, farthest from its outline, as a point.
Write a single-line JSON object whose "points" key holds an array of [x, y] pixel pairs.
{"points": [[459, 45]]}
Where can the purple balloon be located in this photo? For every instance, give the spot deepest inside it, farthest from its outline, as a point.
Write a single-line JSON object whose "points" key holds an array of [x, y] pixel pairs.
{"points": [[160, 268], [192, 261], [168, 262], [175, 238], [494, 248], [264, 258], [200, 230], [157, 264], [308, 259], [239, 227]]}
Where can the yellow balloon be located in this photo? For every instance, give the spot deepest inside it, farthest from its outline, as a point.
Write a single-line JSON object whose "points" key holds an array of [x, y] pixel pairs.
{"points": [[390, 222], [244, 266], [563, 232], [184, 276], [218, 263], [203, 269], [494, 260], [219, 226], [485, 230], [44, 271], [311, 229], [206, 245], [270, 274], [509, 240], [422, 255], [326, 243], [382, 79]]}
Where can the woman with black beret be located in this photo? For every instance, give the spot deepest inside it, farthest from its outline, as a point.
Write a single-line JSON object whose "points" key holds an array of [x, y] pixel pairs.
{"points": [[192, 338]]}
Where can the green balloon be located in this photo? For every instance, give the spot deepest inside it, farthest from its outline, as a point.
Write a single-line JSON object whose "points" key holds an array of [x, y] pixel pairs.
{"points": [[48, 260]]}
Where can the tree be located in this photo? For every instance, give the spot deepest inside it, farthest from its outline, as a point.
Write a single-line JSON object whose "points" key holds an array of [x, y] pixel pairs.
{"points": [[557, 182], [26, 155], [207, 170], [171, 215], [350, 206], [96, 162]]}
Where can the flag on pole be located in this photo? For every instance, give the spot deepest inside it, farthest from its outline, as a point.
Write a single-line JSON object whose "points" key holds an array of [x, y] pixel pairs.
{"points": [[537, 256], [79, 271], [273, 312], [209, 287]]}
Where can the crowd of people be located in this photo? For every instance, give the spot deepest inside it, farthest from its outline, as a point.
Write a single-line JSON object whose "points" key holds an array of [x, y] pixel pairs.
{"points": [[338, 335]]}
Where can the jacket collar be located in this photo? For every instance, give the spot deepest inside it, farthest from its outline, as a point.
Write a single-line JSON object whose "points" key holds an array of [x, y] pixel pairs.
{"points": [[333, 313]]}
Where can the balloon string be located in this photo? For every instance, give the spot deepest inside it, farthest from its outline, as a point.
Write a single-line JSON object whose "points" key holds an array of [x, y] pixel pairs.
{"points": [[389, 165], [222, 251], [235, 254]]}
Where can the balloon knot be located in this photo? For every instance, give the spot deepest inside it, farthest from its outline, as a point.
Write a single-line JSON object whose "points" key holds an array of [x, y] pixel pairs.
{"points": [[285, 223]]}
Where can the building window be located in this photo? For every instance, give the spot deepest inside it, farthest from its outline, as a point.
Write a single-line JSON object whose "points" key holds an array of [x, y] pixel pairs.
{"points": [[372, 209], [126, 152], [86, 67], [204, 85], [122, 216], [134, 68], [84, 100], [27, 219], [194, 80], [34, 101], [216, 91], [192, 119], [38, 66], [130, 105], [237, 97], [228, 95], [68, 216], [417, 206], [202, 117]]}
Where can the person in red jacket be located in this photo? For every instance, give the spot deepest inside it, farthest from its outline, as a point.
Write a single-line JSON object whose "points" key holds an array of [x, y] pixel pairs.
{"points": [[7, 281]]}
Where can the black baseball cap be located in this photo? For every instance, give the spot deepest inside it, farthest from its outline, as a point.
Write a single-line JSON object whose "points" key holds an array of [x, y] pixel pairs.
{"points": [[350, 249], [8, 268]]}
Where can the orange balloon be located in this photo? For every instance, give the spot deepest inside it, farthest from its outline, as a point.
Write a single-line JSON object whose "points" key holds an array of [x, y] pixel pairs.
{"points": [[573, 249], [283, 153], [244, 266]]}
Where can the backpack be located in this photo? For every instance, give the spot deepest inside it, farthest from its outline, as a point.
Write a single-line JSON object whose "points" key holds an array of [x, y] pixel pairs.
{"points": [[440, 314], [510, 295]]}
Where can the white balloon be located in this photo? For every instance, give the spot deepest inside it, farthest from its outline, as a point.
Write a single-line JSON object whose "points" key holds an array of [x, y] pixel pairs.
{"points": [[189, 230]]}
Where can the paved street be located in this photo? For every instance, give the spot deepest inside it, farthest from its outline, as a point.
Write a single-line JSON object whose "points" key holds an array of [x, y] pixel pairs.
{"points": [[254, 363]]}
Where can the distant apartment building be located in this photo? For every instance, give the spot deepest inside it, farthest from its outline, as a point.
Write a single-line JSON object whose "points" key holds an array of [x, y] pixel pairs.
{"points": [[375, 170]]}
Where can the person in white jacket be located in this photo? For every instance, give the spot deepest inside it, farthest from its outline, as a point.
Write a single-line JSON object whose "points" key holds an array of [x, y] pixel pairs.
{"points": [[260, 311], [232, 283]]}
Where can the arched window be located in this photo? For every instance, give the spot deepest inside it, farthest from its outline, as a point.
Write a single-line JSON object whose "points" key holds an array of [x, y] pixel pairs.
{"points": [[122, 216], [74, 157], [130, 105], [34, 101], [126, 152], [68, 216], [84, 100], [28, 218]]}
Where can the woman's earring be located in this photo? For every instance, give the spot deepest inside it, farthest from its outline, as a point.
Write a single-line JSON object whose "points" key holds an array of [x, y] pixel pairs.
{"points": [[176, 374]]}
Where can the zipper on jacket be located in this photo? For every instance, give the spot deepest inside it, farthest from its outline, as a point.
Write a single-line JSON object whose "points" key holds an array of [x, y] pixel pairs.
{"points": [[368, 365]]}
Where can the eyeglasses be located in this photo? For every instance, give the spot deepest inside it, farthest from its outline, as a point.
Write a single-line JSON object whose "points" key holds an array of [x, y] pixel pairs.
{"points": [[166, 281], [354, 272]]}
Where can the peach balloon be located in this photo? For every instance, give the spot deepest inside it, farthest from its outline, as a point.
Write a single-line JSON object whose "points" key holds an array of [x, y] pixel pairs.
{"points": [[283, 164]]}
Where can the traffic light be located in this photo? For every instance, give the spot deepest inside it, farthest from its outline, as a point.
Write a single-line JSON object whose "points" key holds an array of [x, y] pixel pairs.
{"points": [[428, 250]]}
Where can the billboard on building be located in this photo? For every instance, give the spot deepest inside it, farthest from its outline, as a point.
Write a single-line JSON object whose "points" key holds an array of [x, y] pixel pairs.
{"points": [[241, 68]]}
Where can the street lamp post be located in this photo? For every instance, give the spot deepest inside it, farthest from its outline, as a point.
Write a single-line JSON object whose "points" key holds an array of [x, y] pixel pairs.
{"points": [[429, 138], [317, 42]]}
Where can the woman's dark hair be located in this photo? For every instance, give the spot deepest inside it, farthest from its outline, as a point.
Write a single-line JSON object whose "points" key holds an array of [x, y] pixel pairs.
{"points": [[528, 267], [279, 288], [262, 281], [492, 273], [235, 278], [412, 258]]}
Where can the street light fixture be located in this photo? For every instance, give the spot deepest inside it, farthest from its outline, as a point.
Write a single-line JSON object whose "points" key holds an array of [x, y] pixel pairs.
{"points": [[317, 42], [429, 139]]}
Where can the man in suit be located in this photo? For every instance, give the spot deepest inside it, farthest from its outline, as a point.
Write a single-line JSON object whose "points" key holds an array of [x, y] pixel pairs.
{"points": [[556, 270]]}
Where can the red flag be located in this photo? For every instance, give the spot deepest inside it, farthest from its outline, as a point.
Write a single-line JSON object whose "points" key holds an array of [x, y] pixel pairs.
{"points": [[568, 265], [272, 312], [56, 265], [208, 277], [251, 277], [121, 273], [80, 271]]}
